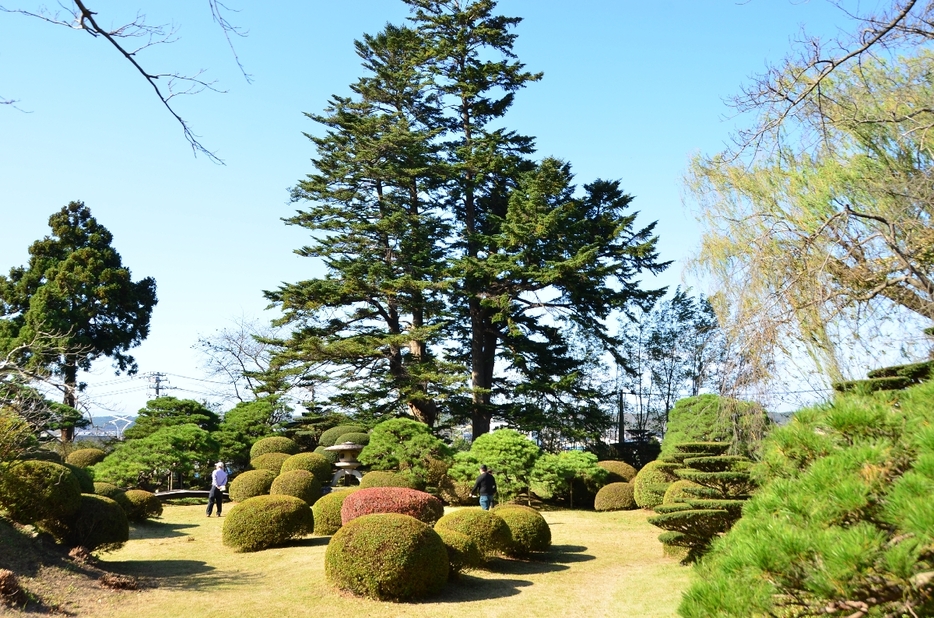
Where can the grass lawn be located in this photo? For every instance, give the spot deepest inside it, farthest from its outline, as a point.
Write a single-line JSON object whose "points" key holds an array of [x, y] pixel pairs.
{"points": [[602, 564]]}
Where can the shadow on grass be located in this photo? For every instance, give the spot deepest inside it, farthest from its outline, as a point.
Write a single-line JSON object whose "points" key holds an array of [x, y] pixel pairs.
{"points": [[468, 587], [567, 554], [179, 574], [313, 541], [158, 530], [557, 559]]}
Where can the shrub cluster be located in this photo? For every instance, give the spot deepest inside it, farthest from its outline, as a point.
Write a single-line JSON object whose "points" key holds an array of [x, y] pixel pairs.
{"points": [[334, 435], [84, 457], [315, 463], [418, 504], [266, 521], [485, 528], [145, 505], [327, 511], [83, 475], [299, 483], [530, 532], [100, 524], [39, 492], [270, 461], [463, 554], [250, 484], [116, 494], [650, 484], [387, 556], [387, 478], [274, 444], [615, 497], [619, 471]]}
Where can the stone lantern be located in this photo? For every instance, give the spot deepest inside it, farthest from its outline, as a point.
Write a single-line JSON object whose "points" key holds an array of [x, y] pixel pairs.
{"points": [[347, 463]]}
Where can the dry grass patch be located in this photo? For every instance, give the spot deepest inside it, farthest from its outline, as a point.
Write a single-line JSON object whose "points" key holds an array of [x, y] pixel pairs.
{"points": [[601, 564]]}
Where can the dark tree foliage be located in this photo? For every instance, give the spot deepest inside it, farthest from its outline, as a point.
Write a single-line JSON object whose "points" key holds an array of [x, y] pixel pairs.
{"points": [[76, 288], [169, 412]]}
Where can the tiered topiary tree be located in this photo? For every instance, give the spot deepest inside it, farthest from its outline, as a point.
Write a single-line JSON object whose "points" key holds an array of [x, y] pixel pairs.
{"points": [[711, 505]]}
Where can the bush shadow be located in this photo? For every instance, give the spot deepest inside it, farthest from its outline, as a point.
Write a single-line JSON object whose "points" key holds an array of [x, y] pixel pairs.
{"points": [[157, 530], [311, 541], [468, 587], [178, 574], [556, 559]]}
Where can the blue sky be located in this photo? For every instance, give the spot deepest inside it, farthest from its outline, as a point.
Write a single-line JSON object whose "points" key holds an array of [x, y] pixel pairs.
{"points": [[631, 90]]}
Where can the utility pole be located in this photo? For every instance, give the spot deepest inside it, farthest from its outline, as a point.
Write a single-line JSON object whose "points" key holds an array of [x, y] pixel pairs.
{"points": [[158, 382]]}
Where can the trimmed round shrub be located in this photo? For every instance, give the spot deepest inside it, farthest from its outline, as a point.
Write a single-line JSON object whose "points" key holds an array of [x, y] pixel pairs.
{"points": [[650, 485], [84, 457], [355, 437], [116, 494], [327, 511], [615, 497], [315, 463], [275, 444], [676, 492], [83, 475], [529, 530], [387, 478], [463, 553], [331, 456], [145, 505], [485, 528], [387, 556], [250, 484], [456, 493], [266, 521], [270, 461], [100, 524], [299, 483], [423, 507], [619, 471], [39, 492], [330, 436]]}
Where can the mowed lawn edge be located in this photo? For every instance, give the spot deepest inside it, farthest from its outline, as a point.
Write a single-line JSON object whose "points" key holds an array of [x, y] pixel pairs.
{"points": [[602, 564]]}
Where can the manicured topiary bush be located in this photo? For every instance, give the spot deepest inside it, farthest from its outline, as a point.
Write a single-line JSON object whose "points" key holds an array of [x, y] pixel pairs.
{"points": [[486, 529], [327, 511], [529, 530], [270, 461], [387, 478], [145, 505], [84, 457], [331, 436], [83, 475], [116, 494], [39, 492], [100, 523], [299, 483], [266, 521], [418, 504], [615, 497], [250, 484], [650, 485], [619, 471], [330, 456], [315, 463], [274, 444], [676, 492], [354, 437], [387, 556], [463, 553]]}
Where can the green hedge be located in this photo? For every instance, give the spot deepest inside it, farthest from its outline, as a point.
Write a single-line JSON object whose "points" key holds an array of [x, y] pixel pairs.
{"points": [[266, 521], [387, 478], [315, 463], [145, 505], [529, 530], [84, 457], [250, 484], [116, 494], [39, 492], [485, 528], [463, 554], [615, 497], [387, 556], [620, 471], [270, 461], [650, 485], [331, 436], [100, 524]]}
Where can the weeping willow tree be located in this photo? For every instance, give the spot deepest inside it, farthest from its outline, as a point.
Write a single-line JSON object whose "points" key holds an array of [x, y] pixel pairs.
{"points": [[823, 220]]}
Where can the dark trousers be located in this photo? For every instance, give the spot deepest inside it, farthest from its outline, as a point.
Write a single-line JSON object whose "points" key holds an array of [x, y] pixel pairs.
{"points": [[215, 497]]}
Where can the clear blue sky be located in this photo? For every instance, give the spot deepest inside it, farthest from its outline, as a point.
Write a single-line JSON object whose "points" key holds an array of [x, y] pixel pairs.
{"points": [[630, 91]]}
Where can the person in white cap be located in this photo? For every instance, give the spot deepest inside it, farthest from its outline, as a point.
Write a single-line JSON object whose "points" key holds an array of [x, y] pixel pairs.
{"points": [[218, 485]]}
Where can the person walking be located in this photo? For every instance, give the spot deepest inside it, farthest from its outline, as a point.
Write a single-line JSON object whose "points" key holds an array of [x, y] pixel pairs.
{"points": [[485, 487], [218, 485]]}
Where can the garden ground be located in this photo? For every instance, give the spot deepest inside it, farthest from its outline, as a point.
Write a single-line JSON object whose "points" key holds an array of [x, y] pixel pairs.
{"points": [[602, 564]]}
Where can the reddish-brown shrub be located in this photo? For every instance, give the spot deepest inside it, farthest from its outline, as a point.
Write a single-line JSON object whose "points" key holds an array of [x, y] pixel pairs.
{"points": [[423, 507]]}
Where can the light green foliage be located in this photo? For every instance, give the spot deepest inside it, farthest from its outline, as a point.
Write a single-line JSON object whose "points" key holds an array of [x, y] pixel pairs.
{"points": [[249, 484], [716, 419], [273, 444], [676, 492], [145, 505], [330, 437], [619, 471], [463, 554], [270, 461], [559, 473], [299, 483], [85, 457], [615, 497], [844, 504], [485, 528], [266, 521], [39, 492], [243, 425], [529, 530], [405, 445], [315, 463], [387, 556], [170, 412], [114, 493], [386, 478], [100, 524], [327, 511], [146, 462], [330, 456], [650, 485], [509, 455], [16, 435]]}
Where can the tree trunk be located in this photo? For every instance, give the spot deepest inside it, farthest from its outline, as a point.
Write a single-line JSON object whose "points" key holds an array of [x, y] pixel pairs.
{"points": [[70, 399]]}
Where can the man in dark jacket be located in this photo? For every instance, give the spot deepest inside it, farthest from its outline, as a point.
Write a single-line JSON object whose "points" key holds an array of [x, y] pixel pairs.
{"points": [[485, 487]]}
